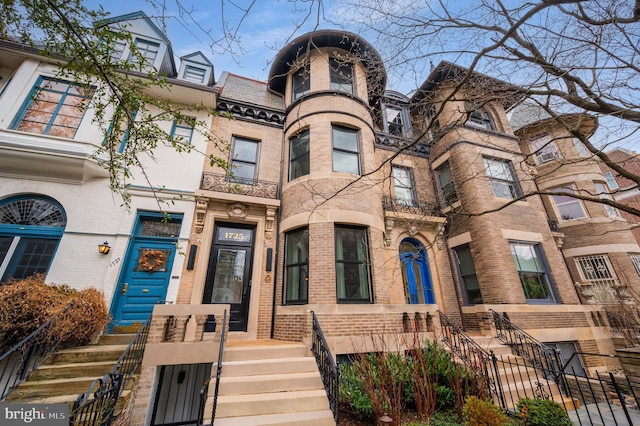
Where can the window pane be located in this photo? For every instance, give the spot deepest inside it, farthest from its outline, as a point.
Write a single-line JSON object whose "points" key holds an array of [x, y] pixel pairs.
{"points": [[245, 150], [544, 149], [394, 121], [301, 82], [611, 181], [194, 74], [345, 162], [346, 139], [468, 275], [445, 182], [32, 256], [569, 208]]}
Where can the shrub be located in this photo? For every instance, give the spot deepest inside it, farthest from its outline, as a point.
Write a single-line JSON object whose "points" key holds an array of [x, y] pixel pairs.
{"points": [[478, 412], [352, 392], [28, 303], [542, 412]]}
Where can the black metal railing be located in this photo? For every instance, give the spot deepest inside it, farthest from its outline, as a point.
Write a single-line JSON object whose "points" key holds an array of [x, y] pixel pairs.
{"points": [[97, 405], [326, 364], [237, 185], [624, 324], [223, 334], [535, 353], [26, 356], [411, 206], [475, 357]]}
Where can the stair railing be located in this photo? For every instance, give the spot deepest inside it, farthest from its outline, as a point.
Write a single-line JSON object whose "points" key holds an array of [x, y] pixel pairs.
{"points": [[97, 405], [535, 353], [26, 356], [473, 356], [223, 334], [624, 324], [326, 365]]}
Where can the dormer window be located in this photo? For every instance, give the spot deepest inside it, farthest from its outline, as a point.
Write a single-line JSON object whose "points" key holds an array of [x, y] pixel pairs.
{"points": [[301, 83], [194, 74], [395, 120], [341, 76], [147, 51]]}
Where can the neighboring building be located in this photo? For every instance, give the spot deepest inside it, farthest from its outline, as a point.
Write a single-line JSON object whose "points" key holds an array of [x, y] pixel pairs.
{"points": [[359, 204]]}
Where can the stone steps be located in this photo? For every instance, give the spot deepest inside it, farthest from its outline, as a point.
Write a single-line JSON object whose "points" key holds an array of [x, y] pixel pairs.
{"points": [[270, 383]]}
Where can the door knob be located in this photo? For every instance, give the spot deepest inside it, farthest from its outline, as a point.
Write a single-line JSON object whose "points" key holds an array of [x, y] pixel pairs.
{"points": [[146, 290], [124, 288]]}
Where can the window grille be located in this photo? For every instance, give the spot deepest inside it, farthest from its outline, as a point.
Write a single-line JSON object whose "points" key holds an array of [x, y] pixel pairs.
{"points": [[596, 271]]}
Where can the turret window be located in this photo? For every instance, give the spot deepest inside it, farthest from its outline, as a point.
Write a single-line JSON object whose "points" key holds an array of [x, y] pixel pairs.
{"points": [[502, 177], [299, 155], [568, 207], [544, 149], [346, 156], [341, 76], [301, 82]]}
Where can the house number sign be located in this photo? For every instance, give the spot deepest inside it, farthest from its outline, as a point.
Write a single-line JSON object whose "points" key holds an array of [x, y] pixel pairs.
{"points": [[234, 235]]}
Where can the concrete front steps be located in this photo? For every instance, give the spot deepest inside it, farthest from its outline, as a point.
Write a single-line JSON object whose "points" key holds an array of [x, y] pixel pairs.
{"points": [[69, 372], [518, 380], [270, 383]]}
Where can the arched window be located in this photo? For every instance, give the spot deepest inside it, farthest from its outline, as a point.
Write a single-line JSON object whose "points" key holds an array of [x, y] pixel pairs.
{"points": [[30, 230], [415, 272]]}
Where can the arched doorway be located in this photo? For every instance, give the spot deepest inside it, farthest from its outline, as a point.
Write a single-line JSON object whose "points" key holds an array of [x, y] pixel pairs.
{"points": [[31, 227], [415, 272]]}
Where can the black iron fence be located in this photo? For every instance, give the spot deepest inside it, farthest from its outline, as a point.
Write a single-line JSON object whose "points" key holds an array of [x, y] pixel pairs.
{"points": [[97, 405], [25, 357], [326, 364], [219, 367]]}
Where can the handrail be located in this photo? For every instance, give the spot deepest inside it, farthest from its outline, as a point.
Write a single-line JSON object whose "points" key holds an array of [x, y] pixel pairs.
{"points": [[326, 365], [107, 390], [219, 366], [623, 324], [473, 355], [534, 352], [25, 357]]}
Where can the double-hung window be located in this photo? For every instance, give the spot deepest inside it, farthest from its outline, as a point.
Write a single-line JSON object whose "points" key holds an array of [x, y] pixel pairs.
{"points": [[603, 194], [54, 107], [544, 149], [502, 178], [244, 161], [611, 181], [299, 155], [352, 265], [146, 53], [297, 266], [432, 122], [300, 82], [341, 76], [403, 185], [568, 208], [346, 157], [182, 132], [448, 193], [468, 276], [533, 272]]}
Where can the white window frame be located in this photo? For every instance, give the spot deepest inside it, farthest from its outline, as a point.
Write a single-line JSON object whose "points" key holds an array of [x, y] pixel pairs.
{"points": [[583, 151], [194, 74], [603, 192], [500, 173], [544, 149], [635, 259], [558, 205], [611, 181], [403, 181]]}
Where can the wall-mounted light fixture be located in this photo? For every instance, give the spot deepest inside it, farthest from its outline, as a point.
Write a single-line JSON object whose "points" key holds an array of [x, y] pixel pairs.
{"points": [[104, 248]]}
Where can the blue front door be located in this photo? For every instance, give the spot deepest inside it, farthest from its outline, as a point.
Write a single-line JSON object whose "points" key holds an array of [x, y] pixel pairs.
{"points": [[415, 272], [147, 269]]}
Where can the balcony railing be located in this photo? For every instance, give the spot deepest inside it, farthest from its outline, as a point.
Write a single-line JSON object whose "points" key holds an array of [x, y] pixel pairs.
{"points": [[236, 185], [411, 206]]}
